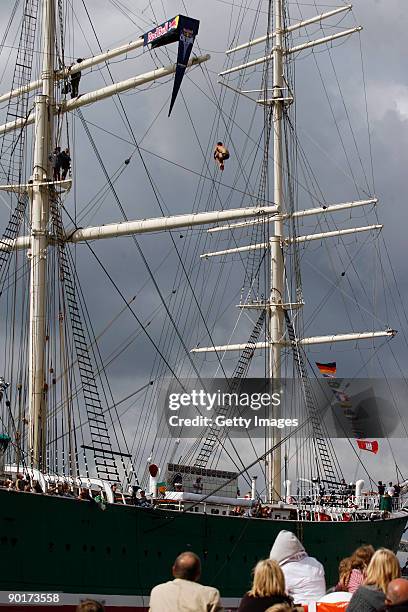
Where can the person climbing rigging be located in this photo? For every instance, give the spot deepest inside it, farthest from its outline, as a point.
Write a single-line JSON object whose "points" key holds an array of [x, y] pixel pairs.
{"points": [[55, 161], [221, 153], [75, 78], [65, 163]]}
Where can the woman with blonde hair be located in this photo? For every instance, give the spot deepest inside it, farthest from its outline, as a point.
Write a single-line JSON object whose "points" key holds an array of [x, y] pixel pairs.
{"points": [[370, 597], [268, 588]]}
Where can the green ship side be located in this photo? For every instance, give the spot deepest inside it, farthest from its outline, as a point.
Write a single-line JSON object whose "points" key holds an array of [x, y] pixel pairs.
{"points": [[65, 545]]}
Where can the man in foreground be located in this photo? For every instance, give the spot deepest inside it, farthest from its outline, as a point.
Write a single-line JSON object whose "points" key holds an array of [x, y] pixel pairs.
{"points": [[396, 598], [184, 594]]}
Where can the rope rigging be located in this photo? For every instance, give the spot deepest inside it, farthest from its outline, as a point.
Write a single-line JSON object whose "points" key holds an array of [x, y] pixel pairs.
{"points": [[195, 307]]}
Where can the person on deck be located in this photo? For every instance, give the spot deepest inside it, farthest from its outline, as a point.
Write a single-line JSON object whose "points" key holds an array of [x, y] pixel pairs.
{"points": [[381, 488], [198, 485], [85, 495], [391, 489], [396, 598], [142, 500], [75, 78], [221, 153], [184, 592], [382, 569], [304, 575], [117, 494]]}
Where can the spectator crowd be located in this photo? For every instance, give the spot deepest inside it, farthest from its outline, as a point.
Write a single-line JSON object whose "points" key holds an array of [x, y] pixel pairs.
{"points": [[291, 580]]}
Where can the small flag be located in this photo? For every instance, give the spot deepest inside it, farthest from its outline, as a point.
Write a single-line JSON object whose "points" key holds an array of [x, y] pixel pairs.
{"points": [[372, 446], [161, 487], [327, 369]]}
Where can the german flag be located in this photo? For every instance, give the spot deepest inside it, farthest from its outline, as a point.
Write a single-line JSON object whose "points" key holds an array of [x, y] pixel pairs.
{"points": [[327, 369]]}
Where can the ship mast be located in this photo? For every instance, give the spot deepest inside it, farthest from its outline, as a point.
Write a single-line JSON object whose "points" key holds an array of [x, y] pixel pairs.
{"points": [[275, 312], [40, 191], [39, 217], [276, 305]]}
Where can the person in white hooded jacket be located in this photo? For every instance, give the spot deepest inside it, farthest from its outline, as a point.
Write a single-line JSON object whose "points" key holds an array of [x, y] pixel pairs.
{"points": [[304, 575]]}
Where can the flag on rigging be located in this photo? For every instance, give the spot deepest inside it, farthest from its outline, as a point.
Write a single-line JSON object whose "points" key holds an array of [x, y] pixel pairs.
{"points": [[162, 487], [180, 28], [371, 446], [327, 369]]}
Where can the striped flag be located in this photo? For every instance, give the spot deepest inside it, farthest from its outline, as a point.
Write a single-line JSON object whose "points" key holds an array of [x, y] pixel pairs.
{"points": [[327, 369], [372, 446]]}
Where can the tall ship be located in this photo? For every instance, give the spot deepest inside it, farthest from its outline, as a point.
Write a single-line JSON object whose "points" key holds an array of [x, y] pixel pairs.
{"points": [[98, 494]]}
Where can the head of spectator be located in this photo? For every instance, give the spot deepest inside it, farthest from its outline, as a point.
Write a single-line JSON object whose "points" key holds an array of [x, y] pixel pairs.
{"points": [[37, 487], [344, 573], [396, 598], [304, 575], [268, 588], [185, 592], [383, 568], [90, 605], [84, 494], [280, 607], [187, 566], [362, 556], [66, 489], [268, 579], [352, 569], [20, 482]]}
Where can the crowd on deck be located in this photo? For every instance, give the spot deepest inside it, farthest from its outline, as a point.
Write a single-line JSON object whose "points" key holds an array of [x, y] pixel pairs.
{"points": [[290, 580], [385, 499], [136, 496]]}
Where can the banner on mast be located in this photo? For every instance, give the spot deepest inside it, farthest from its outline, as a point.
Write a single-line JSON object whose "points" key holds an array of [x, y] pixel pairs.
{"points": [[180, 28]]}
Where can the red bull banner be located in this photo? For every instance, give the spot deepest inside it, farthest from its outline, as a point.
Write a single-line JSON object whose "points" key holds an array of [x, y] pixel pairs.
{"points": [[182, 29], [163, 34]]}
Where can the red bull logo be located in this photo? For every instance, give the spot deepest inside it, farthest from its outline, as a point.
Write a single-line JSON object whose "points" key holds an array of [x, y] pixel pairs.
{"points": [[163, 29]]}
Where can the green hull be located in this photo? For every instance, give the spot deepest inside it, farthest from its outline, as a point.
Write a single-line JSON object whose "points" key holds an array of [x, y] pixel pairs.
{"points": [[53, 544]]}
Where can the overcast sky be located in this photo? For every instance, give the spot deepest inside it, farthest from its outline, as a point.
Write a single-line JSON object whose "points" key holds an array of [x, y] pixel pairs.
{"points": [[331, 90]]}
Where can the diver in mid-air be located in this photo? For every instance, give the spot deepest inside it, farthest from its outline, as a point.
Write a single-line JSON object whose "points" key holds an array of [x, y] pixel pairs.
{"points": [[221, 153]]}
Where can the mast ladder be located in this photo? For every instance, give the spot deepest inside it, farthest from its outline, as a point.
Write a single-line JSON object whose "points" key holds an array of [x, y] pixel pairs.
{"points": [[328, 471], [105, 462], [10, 234], [12, 147], [241, 370]]}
